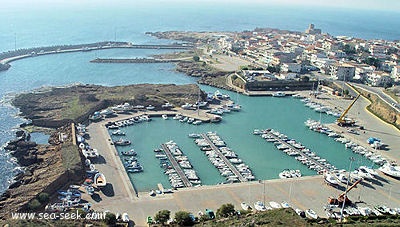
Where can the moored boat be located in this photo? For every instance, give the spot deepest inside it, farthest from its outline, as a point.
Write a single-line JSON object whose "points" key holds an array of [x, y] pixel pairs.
{"points": [[100, 180]]}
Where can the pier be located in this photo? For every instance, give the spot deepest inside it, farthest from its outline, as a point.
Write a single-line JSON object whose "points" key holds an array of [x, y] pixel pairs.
{"points": [[227, 162], [176, 166], [299, 151]]}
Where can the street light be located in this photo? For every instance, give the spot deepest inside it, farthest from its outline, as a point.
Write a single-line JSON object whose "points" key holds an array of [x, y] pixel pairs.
{"points": [[345, 192]]}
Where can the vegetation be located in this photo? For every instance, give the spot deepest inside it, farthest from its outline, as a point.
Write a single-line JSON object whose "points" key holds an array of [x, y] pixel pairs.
{"points": [[372, 61], [162, 216], [183, 218], [34, 205], [110, 219], [196, 58], [43, 197], [226, 210], [349, 50], [274, 69]]}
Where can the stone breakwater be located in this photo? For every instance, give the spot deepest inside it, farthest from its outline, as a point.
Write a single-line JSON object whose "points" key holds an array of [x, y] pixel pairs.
{"points": [[134, 60], [9, 56]]}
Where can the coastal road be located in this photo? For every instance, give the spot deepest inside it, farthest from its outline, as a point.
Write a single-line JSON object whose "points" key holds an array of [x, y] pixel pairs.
{"points": [[380, 93]]}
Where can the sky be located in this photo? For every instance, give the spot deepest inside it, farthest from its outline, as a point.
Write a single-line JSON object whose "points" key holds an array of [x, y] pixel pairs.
{"points": [[388, 5]]}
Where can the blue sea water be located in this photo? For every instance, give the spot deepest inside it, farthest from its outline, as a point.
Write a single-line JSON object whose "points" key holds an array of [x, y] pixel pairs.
{"points": [[25, 26]]}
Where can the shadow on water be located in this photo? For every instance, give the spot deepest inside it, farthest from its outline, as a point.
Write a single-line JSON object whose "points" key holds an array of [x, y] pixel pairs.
{"points": [[96, 197], [108, 190]]}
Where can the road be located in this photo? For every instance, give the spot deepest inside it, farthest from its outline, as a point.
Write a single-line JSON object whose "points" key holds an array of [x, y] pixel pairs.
{"points": [[379, 92]]}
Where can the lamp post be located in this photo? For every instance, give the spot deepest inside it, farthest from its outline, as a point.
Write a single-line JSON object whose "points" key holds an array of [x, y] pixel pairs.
{"points": [[345, 192]]}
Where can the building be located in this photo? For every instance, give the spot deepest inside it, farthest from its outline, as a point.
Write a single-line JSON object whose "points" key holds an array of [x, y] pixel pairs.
{"points": [[291, 67], [379, 78], [396, 73], [345, 72], [312, 30]]}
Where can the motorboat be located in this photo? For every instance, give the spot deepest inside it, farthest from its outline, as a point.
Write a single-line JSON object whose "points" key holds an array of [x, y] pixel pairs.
{"points": [[152, 193], [131, 152], [362, 172], [275, 205], [260, 206], [342, 178], [330, 179], [164, 116], [279, 94], [194, 135], [122, 142], [311, 214], [301, 213], [100, 180], [369, 170], [245, 206], [118, 133], [390, 170]]}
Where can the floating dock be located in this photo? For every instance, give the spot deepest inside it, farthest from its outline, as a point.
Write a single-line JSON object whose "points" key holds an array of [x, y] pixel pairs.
{"points": [[176, 166], [227, 162]]}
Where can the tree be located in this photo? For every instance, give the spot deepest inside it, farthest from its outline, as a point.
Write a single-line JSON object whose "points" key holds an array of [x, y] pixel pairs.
{"points": [[372, 61], [226, 210], [183, 218], [346, 92], [34, 204], [110, 219], [43, 197], [196, 58], [162, 216]]}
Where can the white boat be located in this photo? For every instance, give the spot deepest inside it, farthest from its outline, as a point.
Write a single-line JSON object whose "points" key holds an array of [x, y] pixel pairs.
{"points": [[164, 116], [342, 178], [369, 170], [364, 173], [311, 214], [260, 206], [152, 193], [100, 180], [390, 170], [300, 213], [245, 206], [279, 94], [275, 205], [330, 179], [125, 217]]}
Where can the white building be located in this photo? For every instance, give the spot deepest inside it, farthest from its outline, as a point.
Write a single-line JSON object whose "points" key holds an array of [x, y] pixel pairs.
{"points": [[343, 72], [396, 73], [291, 67]]}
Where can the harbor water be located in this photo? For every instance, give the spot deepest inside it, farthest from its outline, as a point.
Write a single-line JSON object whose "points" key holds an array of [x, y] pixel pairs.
{"points": [[236, 129], [28, 26]]}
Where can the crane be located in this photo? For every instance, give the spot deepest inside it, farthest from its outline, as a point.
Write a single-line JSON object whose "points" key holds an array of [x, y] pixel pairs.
{"points": [[341, 198], [341, 121]]}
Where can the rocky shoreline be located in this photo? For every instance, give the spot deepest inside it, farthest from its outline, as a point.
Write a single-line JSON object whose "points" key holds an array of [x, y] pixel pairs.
{"points": [[43, 170]]}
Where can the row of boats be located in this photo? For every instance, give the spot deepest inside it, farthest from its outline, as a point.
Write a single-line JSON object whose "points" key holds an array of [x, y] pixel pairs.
{"points": [[295, 149], [377, 210], [356, 148], [290, 173], [128, 122], [319, 107], [223, 158], [189, 120], [171, 170], [260, 206]]}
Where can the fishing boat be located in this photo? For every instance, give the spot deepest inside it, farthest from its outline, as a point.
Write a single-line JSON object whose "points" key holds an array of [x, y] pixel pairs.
{"points": [[118, 133], [285, 204], [100, 180], [164, 116]]}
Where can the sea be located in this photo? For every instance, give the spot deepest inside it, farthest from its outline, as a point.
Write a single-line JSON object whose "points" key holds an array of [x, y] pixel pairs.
{"points": [[48, 23]]}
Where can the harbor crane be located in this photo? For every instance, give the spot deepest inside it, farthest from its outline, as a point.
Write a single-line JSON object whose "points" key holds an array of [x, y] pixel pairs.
{"points": [[343, 198], [342, 121]]}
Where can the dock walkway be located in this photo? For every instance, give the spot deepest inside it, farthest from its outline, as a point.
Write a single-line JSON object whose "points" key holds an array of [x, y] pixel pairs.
{"points": [[227, 162], [176, 166], [301, 153]]}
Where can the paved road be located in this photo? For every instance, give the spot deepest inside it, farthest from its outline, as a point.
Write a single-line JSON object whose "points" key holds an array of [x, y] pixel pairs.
{"points": [[382, 95]]}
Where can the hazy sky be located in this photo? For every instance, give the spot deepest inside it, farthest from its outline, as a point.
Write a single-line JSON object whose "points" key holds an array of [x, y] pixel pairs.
{"points": [[392, 5]]}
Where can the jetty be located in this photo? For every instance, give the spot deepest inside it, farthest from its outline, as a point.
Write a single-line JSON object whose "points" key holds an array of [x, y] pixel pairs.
{"points": [[296, 147], [10, 56], [136, 60], [220, 155], [176, 166]]}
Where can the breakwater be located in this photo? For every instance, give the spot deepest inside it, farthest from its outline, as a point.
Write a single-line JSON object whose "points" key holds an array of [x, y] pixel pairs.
{"points": [[9, 56], [134, 60]]}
